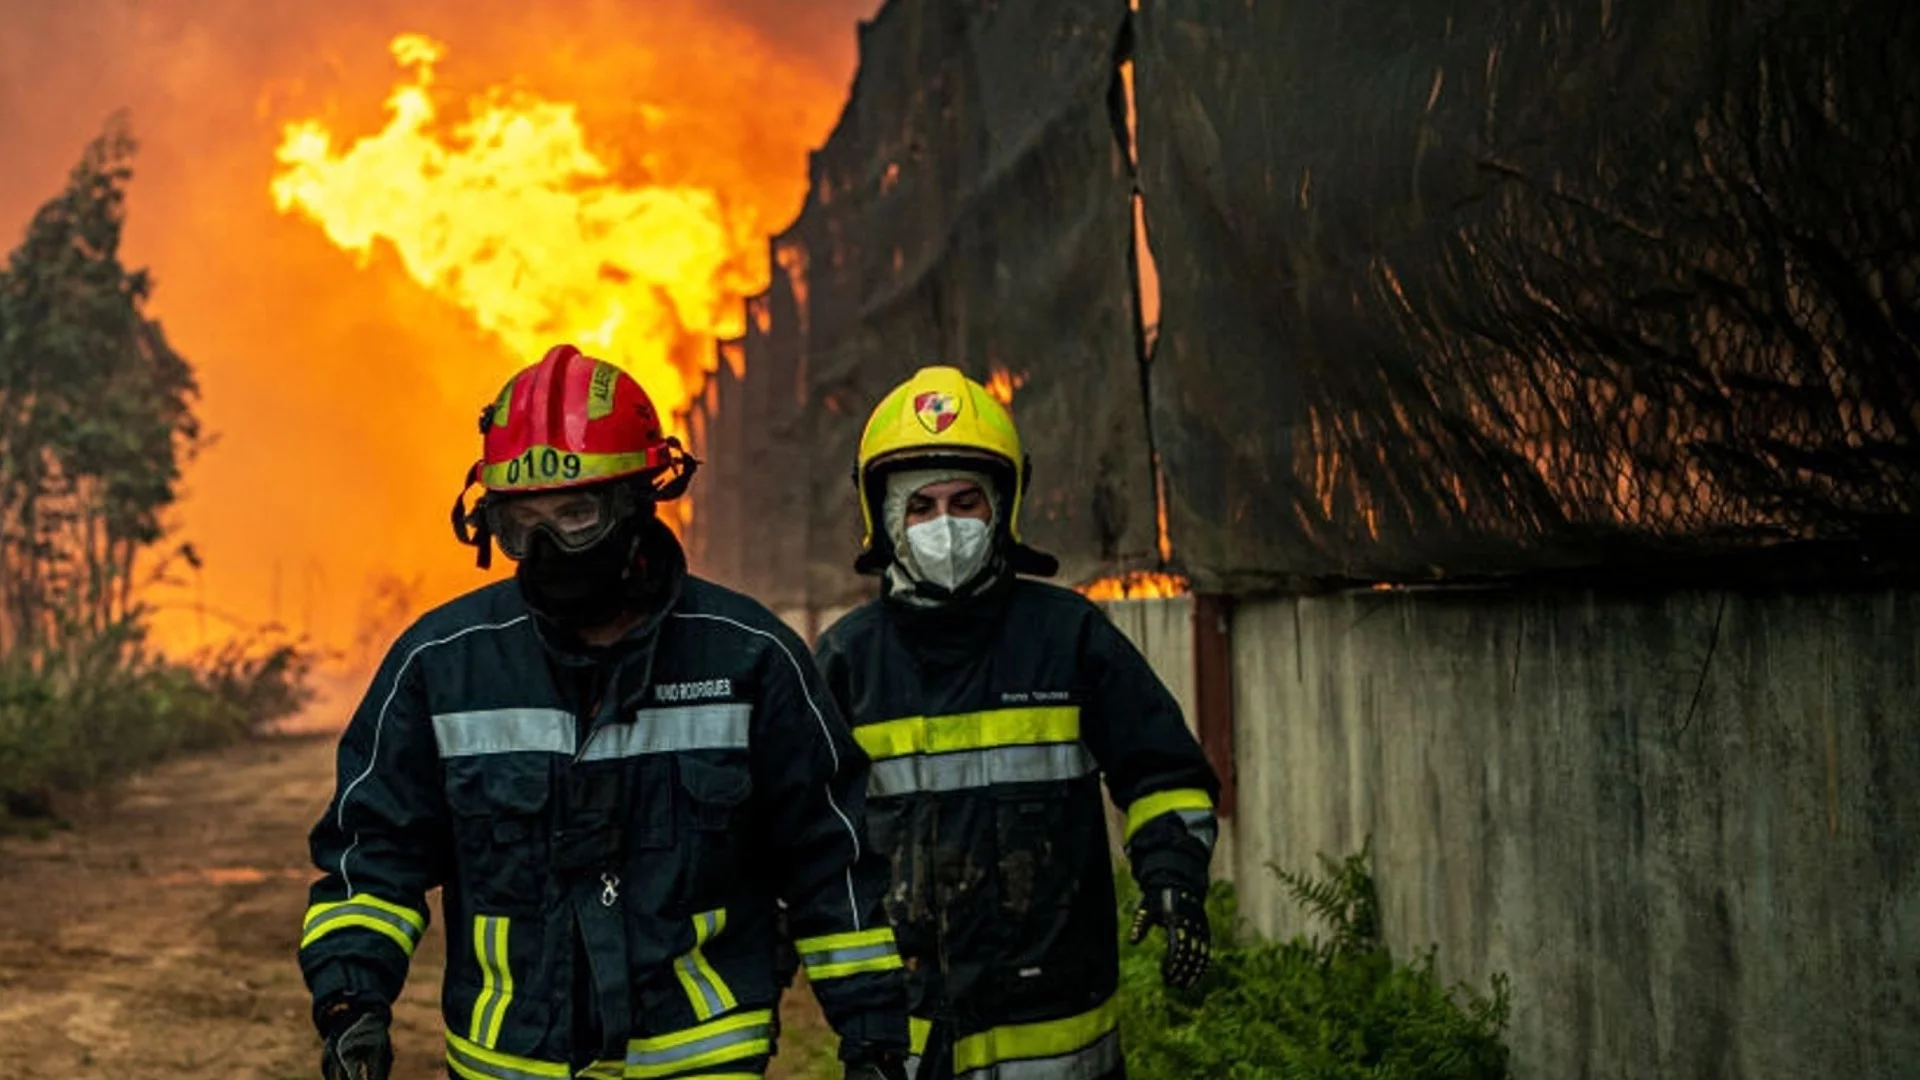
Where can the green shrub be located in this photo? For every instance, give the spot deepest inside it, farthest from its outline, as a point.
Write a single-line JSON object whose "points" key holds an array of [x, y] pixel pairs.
{"points": [[94, 710], [1334, 1008]]}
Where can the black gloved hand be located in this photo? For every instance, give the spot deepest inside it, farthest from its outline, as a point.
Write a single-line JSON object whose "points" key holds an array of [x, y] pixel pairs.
{"points": [[866, 1064], [1189, 939], [355, 1043]]}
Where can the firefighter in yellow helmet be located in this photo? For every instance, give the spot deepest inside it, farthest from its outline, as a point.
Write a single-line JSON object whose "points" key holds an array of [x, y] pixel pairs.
{"points": [[992, 706]]}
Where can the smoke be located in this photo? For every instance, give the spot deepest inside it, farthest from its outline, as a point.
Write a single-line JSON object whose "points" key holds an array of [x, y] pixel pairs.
{"points": [[343, 398]]}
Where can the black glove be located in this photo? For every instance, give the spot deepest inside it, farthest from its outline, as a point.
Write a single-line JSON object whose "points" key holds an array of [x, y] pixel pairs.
{"points": [[868, 1064], [355, 1044], [1189, 939]]}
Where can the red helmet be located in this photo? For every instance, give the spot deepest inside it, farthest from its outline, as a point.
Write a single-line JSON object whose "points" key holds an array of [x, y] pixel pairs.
{"points": [[569, 421]]}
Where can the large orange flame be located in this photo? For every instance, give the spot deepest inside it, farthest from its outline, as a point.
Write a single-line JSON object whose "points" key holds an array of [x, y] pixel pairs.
{"points": [[513, 217], [656, 143]]}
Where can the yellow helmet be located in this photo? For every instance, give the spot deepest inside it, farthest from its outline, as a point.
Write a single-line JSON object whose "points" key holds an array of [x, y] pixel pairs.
{"points": [[940, 414]]}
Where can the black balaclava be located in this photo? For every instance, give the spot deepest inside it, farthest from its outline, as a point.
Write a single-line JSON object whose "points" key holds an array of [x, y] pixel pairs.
{"points": [[579, 590]]}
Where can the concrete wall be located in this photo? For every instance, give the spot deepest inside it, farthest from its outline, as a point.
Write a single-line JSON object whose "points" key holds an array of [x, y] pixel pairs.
{"points": [[1163, 632], [1685, 826]]}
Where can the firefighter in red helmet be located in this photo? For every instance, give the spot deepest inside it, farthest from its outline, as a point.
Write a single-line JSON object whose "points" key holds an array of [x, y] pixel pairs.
{"points": [[620, 776]]}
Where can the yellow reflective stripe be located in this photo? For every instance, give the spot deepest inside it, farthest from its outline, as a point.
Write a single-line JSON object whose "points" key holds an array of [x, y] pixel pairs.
{"points": [[969, 731], [402, 924], [888, 961], [406, 914], [835, 956], [475, 1062], [506, 983], [496, 975], [706, 990], [852, 939], [918, 1032], [600, 390], [745, 1035], [477, 1027], [656, 1044], [1025, 1042], [708, 925], [547, 466], [364, 922], [1148, 807]]}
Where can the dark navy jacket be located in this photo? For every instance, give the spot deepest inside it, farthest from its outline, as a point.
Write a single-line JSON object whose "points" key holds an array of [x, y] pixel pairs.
{"points": [[990, 724], [610, 874]]}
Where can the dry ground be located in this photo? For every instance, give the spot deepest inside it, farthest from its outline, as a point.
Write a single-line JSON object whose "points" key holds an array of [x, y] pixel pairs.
{"points": [[155, 935]]}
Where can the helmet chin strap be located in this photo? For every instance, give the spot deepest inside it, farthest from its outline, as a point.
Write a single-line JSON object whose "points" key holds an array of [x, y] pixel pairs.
{"points": [[470, 526], [678, 473]]}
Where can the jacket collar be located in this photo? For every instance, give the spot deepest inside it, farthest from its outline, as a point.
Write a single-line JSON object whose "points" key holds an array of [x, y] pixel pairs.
{"points": [[628, 661], [952, 632]]}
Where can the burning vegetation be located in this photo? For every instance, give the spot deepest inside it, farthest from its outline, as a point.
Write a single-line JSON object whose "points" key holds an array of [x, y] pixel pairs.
{"points": [[1137, 585], [362, 217], [1002, 384], [514, 217]]}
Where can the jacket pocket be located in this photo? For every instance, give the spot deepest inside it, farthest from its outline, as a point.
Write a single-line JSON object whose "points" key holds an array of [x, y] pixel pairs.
{"points": [[1044, 846], [712, 797], [498, 987], [499, 808], [1040, 851]]}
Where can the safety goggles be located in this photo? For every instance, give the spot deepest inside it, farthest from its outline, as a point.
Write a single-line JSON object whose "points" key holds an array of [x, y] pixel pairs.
{"points": [[573, 520]]}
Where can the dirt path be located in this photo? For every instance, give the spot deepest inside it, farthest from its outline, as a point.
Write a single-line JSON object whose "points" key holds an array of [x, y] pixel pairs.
{"points": [[156, 938]]}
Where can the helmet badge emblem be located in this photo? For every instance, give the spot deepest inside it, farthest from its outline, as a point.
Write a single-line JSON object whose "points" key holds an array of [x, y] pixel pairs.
{"points": [[936, 411]]}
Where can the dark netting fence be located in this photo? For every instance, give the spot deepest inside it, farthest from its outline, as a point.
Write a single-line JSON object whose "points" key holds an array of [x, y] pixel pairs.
{"points": [[1490, 288], [1445, 289], [970, 208]]}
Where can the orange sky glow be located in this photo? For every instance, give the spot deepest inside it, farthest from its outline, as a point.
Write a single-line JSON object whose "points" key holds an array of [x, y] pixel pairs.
{"points": [[363, 216]]}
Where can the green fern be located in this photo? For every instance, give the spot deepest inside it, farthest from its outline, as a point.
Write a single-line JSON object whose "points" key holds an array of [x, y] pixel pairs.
{"points": [[1342, 1008], [1344, 899]]}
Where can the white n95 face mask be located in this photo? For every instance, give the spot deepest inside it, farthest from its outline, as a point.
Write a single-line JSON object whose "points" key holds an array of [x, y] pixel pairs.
{"points": [[949, 551]]}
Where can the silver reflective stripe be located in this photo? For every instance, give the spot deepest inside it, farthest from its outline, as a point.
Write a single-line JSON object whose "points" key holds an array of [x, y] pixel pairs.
{"points": [[710, 1000], [711, 1004], [365, 911], [504, 731], [681, 727], [1092, 1063], [826, 957], [1201, 824], [488, 1068], [979, 768], [643, 1059]]}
